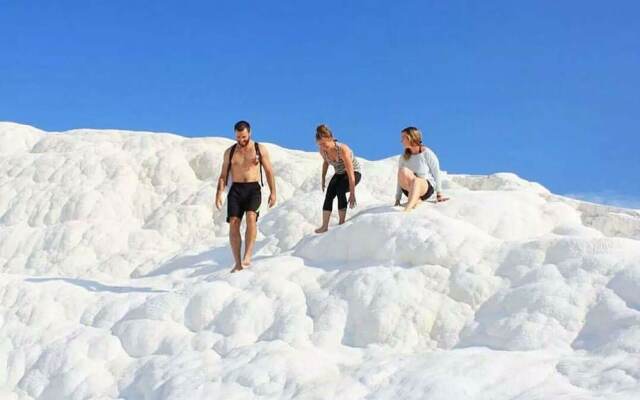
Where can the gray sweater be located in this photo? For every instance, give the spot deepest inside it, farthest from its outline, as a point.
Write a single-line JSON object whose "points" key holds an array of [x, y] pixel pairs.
{"points": [[424, 165]]}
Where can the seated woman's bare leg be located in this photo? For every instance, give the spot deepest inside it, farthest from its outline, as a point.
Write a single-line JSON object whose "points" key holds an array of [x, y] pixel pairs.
{"points": [[419, 188]]}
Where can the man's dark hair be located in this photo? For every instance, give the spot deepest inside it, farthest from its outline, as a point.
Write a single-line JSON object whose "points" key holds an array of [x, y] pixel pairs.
{"points": [[242, 125]]}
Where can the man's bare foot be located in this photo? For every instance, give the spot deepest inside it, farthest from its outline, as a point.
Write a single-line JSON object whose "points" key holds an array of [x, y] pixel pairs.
{"points": [[322, 229], [237, 268]]}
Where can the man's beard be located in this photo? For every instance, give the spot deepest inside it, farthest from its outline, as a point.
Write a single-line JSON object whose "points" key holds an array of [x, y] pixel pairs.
{"points": [[243, 143]]}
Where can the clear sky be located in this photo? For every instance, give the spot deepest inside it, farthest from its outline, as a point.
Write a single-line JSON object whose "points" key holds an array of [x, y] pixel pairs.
{"points": [[549, 90]]}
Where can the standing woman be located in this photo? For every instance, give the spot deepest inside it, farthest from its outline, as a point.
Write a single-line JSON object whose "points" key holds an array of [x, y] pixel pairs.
{"points": [[418, 170], [346, 177]]}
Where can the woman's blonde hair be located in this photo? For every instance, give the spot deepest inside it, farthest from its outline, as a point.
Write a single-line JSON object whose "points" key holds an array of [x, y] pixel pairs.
{"points": [[323, 132], [415, 138]]}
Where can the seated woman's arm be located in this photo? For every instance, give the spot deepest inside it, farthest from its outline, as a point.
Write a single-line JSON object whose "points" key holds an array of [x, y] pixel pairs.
{"points": [[434, 166]]}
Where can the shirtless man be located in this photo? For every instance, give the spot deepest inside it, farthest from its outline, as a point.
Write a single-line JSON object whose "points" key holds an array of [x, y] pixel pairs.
{"points": [[244, 160]]}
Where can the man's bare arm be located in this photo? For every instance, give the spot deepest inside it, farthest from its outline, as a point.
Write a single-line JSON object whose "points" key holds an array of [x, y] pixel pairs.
{"points": [[222, 180], [268, 169]]}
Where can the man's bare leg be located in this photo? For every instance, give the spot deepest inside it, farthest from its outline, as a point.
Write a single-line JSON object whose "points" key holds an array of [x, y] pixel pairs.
{"points": [[236, 242], [326, 216], [342, 214], [249, 237]]}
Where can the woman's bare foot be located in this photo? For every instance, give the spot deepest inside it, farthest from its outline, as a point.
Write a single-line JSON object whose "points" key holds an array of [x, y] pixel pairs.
{"points": [[322, 229], [246, 261]]}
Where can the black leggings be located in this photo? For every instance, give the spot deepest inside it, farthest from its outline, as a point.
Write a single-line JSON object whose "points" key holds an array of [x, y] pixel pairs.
{"points": [[338, 186]]}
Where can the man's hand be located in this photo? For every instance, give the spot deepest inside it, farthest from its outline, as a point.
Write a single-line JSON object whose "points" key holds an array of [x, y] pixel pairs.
{"points": [[272, 200], [218, 201], [352, 200]]}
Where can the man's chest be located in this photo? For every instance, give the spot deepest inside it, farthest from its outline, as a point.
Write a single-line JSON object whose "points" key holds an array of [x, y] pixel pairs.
{"points": [[244, 158]]}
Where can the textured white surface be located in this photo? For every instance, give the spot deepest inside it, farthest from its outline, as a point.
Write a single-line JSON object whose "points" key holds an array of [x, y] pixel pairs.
{"points": [[114, 282]]}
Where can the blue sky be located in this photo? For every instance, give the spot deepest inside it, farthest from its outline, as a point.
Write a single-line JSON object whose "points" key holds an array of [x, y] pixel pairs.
{"points": [[546, 89]]}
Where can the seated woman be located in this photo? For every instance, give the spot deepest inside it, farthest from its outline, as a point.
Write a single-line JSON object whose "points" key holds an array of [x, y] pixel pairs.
{"points": [[418, 170], [346, 177]]}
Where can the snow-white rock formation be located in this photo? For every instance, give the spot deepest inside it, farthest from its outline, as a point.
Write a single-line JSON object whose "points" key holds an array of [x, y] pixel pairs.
{"points": [[115, 284]]}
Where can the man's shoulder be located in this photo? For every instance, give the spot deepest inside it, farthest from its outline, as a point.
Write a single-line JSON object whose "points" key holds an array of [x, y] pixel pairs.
{"points": [[261, 147]]}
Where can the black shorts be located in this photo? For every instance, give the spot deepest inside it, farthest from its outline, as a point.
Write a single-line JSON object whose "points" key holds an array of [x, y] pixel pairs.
{"points": [[242, 197], [424, 196]]}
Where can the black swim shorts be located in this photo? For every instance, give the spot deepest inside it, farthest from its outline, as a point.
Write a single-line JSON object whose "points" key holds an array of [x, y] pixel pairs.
{"points": [[424, 196], [243, 197]]}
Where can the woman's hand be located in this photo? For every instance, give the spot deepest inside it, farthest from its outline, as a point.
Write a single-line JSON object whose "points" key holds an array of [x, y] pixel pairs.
{"points": [[440, 198], [325, 167], [352, 200]]}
